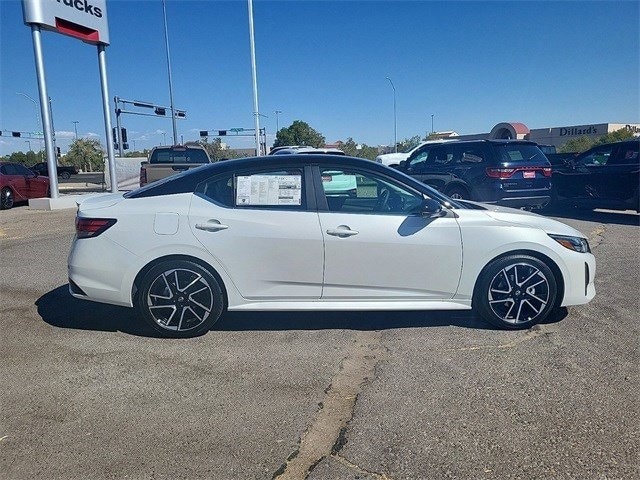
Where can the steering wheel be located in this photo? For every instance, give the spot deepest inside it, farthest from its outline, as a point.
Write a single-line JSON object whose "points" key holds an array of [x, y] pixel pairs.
{"points": [[383, 199]]}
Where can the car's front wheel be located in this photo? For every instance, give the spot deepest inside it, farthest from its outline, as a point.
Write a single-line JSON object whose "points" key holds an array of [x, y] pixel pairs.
{"points": [[179, 298], [515, 292], [65, 175], [6, 198]]}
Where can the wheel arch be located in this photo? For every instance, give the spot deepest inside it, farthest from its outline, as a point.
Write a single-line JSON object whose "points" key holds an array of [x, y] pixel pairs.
{"points": [[140, 275], [553, 266], [457, 184]]}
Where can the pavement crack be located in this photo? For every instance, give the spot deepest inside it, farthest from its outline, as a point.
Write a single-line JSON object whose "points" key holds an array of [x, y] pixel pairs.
{"points": [[533, 332], [360, 470], [596, 236], [327, 433]]}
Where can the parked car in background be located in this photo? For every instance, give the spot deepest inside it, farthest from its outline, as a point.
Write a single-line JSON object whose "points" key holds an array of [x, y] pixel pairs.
{"points": [[169, 160], [606, 176], [64, 171], [394, 159], [554, 157], [18, 183], [265, 234], [514, 173], [305, 150]]}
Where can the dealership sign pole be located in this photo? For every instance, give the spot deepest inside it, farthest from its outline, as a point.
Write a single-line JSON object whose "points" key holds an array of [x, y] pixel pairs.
{"points": [[87, 21]]}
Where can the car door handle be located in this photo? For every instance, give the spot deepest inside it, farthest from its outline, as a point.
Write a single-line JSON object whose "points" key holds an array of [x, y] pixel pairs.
{"points": [[211, 226], [342, 231]]}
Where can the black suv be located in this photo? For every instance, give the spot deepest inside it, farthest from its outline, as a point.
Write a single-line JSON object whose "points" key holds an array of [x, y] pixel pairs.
{"points": [[507, 172], [605, 176]]}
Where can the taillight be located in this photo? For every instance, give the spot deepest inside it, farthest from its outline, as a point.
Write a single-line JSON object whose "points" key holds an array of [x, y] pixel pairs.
{"points": [[501, 173], [143, 176], [92, 227]]}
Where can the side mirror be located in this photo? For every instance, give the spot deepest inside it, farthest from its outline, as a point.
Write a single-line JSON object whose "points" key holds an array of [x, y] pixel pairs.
{"points": [[431, 208], [402, 165]]}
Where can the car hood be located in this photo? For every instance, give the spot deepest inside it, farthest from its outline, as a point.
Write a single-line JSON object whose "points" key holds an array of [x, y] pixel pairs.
{"points": [[100, 200], [529, 219]]}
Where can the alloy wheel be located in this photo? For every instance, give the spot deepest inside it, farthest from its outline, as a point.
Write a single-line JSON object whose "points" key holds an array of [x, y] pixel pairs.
{"points": [[519, 293], [180, 299], [7, 198]]}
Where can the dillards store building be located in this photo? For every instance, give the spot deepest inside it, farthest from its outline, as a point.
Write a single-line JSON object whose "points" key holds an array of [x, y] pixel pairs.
{"points": [[556, 136]]}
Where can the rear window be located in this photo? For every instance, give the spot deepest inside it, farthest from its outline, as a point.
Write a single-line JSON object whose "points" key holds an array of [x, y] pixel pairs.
{"points": [[520, 152], [189, 155]]}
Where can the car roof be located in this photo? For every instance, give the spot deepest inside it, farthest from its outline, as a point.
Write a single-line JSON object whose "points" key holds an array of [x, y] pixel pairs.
{"points": [[187, 181]]}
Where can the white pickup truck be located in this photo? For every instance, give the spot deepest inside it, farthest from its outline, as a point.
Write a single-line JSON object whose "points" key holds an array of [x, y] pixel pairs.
{"points": [[170, 160], [394, 159]]}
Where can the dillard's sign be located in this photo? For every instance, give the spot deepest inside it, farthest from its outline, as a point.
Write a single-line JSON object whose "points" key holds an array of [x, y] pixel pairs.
{"points": [[582, 130]]}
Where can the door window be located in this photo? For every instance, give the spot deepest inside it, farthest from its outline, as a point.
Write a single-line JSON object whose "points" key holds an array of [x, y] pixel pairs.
{"points": [[627, 155], [598, 157], [468, 155], [22, 170], [364, 192], [281, 189], [415, 163], [10, 169]]}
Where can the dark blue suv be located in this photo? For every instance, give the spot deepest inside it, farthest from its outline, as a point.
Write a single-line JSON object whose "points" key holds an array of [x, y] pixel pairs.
{"points": [[513, 173]]}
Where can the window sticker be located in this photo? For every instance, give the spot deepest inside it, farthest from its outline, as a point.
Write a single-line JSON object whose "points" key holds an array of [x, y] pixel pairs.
{"points": [[270, 190]]}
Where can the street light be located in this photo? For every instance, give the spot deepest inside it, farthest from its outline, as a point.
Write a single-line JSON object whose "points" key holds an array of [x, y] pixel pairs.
{"points": [[277, 112], [35, 104], [254, 78], [166, 40], [395, 118], [28, 143], [75, 127], [432, 130]]}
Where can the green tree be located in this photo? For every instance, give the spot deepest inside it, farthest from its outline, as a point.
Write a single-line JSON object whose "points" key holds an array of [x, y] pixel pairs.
{"points": [[299, 133], [617, 136], [409, 143], [353, 149], [85, 153], [216, 151]]}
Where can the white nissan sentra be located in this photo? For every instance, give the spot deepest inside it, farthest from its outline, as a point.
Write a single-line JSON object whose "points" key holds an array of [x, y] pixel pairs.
{"points": [[264, 234]]}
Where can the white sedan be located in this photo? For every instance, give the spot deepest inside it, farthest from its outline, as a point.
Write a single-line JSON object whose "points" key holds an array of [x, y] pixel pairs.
{"points": [[265, 234]]}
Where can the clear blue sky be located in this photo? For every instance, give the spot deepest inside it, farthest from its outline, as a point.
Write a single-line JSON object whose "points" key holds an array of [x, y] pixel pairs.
{"points": [[472, 64]]}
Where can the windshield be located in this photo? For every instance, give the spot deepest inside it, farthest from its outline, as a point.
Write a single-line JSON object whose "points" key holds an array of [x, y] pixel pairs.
{"points": [[188, 155], [520, 152]]}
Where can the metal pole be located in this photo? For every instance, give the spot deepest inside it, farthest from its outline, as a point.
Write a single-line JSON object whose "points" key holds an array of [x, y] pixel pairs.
{"points": [[432, 131], [256, 113], [395, 118], [45, 112], [166, 41], [53, 130], [118, 129], [277, 112], [102, 62], [28, 143], [37, 109], [75, 127]]}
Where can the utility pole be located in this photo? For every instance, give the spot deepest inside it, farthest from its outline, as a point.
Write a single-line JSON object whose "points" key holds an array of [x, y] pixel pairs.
{"points": [[256, 112], [432, 130], [166, 40], [277, 112], [75, 127], [395, 118]]}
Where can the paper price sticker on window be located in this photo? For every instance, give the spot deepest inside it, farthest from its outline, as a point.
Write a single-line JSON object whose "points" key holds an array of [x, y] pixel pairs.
{"points": [[269, 190]]}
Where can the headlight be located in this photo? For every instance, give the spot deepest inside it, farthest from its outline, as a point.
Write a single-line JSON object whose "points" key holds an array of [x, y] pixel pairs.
{"points": [[378, 160], [577, 244]]}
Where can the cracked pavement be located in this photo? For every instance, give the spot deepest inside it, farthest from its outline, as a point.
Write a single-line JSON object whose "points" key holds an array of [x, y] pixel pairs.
{"points": [[87, 393]]}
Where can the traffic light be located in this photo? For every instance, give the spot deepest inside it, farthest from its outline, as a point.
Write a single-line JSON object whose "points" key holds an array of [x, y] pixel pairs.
{"points": [[125, 146], [123, 135], [204, 133], [115, 135], [160, 111], [222, 133], [58, 152], [15, 134], [180, 114]]}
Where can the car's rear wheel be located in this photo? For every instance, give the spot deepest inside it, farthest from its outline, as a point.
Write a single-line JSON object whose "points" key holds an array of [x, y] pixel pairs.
{"points": [[458, 193], [6, 198], [65, 175], [179, 298], [515, 292]]}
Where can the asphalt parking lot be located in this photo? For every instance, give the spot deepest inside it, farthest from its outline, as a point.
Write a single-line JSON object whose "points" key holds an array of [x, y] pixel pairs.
{"points": [[87, 393]]}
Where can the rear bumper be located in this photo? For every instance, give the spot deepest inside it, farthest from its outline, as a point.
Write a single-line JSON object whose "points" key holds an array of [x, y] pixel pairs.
{"points": [[528, 202]]}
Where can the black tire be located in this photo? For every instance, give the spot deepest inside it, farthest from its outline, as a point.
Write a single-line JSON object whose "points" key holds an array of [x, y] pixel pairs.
{"points": [[458, 193], [179, 299], [6, 198], [65, 175], [515, 292]]}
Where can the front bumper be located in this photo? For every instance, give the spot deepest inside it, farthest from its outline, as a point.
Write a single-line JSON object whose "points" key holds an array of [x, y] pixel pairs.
{"points": [[579, 279]]}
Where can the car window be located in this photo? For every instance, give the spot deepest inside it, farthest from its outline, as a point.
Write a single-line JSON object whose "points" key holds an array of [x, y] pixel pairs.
{"points": [[10, 169], [187, 155], [415, 162], [363, 192], [599, 156], [272, 189], [468, 154], [520, 152], [627, 155], [22, 170]]}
